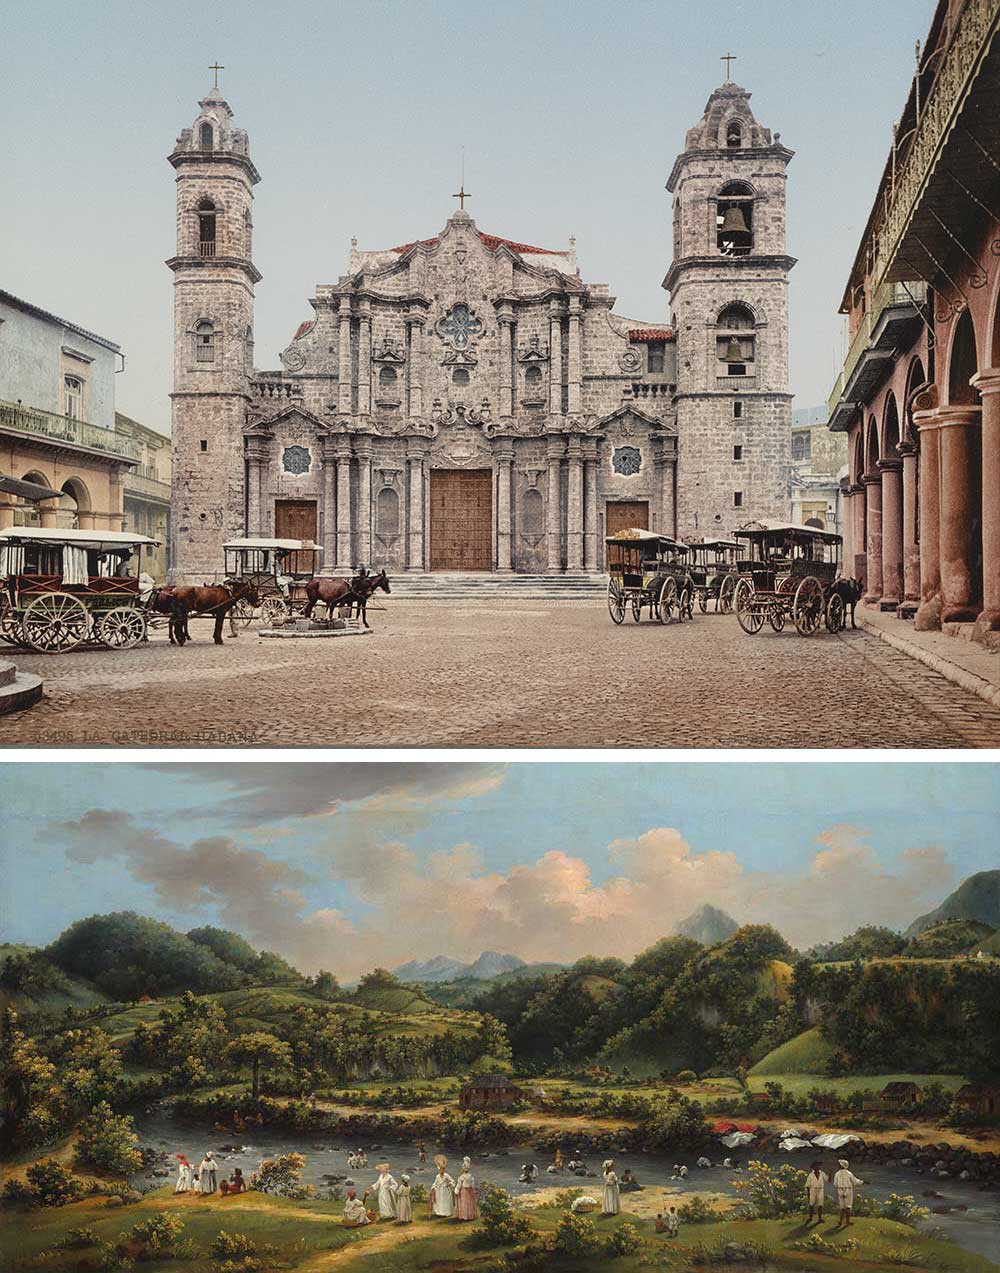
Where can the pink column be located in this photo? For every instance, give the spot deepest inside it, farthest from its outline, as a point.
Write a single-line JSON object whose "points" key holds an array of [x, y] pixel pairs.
{"points": [[859, 566], [847, 529], [988, 384], [955, 424], [911, 548], [872, 483], [928, 616], [892, 533]]}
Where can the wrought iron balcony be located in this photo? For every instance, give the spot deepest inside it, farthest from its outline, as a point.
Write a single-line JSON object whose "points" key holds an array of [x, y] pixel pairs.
{"points": [[61, 429], [875, 326]]}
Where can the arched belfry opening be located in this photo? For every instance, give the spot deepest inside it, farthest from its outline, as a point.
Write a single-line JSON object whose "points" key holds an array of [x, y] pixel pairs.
{"points": [[207, 227], [734, 219]]}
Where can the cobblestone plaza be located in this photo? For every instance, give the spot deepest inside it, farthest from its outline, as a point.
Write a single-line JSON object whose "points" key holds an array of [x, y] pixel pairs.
{"points": [[530, 674]]}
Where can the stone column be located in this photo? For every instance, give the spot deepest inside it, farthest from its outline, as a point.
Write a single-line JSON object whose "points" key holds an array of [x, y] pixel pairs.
{"points": [[345, 562], [329, 531], [555, 358], [257, 455], [859, 566], [955, 425], [574, 504], [116, 501], [48, 513], [505, 464], [872, 482], [988, 384], [345, 404], [363, 450], [505, 319], [928, 616], [7, 507], [365, 358], [415, 464], [666, 457], [591, 545], [575, 356], [415, 365], [847, 529], [892, 533], [911, 548], [553, 505]]}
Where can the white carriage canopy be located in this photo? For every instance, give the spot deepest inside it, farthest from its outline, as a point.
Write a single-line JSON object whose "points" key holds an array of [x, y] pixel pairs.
{"points": [[73, 562]]}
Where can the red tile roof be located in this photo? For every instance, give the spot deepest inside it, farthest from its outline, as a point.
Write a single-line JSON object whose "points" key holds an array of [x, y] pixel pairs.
{"points": [[492, 241], [651, 334], [302, 328]]}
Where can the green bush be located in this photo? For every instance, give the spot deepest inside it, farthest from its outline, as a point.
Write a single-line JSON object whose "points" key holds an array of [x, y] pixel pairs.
{"points": [[159, 1232], [625, 1240], [770, 1194], [248, 1264], [76, 1239], [280, 1176], [108, 1142], [903, 1208], [232, 1246], [686, 1076], [576, 1237], [697, 1211], [501, 1224], [18, 1193], [48, 1184]]}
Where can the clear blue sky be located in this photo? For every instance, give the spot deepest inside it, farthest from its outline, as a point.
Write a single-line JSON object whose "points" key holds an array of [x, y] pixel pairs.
{"points": [[570, 113], [345, 865]]}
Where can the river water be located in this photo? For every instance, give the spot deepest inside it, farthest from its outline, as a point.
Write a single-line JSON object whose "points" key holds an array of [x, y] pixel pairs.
{"points": [[976, 1229]]}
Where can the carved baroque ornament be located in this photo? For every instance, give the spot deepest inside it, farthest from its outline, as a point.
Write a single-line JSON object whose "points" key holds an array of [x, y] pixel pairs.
{"points": [[459, 326]]}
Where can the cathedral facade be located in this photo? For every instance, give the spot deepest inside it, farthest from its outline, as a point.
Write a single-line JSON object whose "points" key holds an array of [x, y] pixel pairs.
{"points": [[467, 402]]}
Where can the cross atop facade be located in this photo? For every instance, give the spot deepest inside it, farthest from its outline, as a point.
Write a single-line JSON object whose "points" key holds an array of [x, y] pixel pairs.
{"points": [[216, 67], [462, 195], [728, 58]]}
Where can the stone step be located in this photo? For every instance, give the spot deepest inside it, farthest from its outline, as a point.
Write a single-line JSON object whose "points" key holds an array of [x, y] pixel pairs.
{"points": [[17, 689], [454, 586]]}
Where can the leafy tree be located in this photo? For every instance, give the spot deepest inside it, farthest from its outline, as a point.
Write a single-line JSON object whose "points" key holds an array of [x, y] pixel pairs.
{"points": [[108, 1142], [379, 979], [501, 1223], [228, 946], [29, 1094], [258, 1049], [90, 1066], [326, 985], [270, 969], [871, 941]]}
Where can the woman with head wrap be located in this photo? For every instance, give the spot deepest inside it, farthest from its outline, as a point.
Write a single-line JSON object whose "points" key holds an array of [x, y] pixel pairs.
{"points": [[466, 1198], [612, 1194]]}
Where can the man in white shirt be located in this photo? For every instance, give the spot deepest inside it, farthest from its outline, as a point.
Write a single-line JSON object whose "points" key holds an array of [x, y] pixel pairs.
{"points": [[844, 1182]]}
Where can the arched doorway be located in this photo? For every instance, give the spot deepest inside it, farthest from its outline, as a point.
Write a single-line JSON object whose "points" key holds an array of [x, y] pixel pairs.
{"points": [[27, 512], [74, 508], [961, 481]]}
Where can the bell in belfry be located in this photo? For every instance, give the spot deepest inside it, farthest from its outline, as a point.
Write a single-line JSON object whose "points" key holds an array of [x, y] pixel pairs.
{"points": [[734, 222], [733, 351]]}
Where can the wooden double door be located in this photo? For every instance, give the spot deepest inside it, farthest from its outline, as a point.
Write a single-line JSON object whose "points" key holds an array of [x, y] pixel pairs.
{"points": [[624, 515], [296, 519], [461, 519]]}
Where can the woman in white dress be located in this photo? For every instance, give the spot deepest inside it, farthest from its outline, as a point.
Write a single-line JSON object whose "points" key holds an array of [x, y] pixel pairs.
{"points": [[442, 1196], [354, 1211], [466, 1198], [404, 1208], [612, 1195], [385, 1189], [206, 1172]]}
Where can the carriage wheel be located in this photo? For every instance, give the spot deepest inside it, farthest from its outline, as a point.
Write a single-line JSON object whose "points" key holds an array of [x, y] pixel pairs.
{"points": [[616, 601], [667, 600], [807, 608], [751, 618], [724, 601], [836, 613], [776, 617], [703, 599], [121, 628], [55, 622], [637, 606], [241, 613], [274, 612], [685, 604]]}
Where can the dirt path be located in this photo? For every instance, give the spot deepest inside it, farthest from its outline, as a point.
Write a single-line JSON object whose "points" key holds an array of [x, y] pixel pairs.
{"points": [[384, 1238]]}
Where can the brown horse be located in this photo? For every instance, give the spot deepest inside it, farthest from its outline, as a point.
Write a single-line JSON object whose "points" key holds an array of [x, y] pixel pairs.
{"points": [[216, 599], [335, 593]]}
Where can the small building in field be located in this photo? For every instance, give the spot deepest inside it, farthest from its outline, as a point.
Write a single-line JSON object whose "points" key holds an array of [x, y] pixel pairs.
{"points": [[489, 1092], [902, 1095], [826, 1103], [980, 1098]]}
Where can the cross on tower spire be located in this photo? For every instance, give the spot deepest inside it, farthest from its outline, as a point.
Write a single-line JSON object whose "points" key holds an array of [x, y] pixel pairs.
{"points": [[461, 196], [216, 67], [728, 58]]}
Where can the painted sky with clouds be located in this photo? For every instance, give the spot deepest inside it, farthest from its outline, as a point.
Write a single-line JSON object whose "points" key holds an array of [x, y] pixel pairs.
{"points": [[346, 866]]}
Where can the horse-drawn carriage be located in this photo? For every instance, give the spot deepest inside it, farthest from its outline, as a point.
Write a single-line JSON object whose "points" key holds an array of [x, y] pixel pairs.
{"points": [[714, 573], [649, 571], [790, 572], [278, 569], [61, 587]]}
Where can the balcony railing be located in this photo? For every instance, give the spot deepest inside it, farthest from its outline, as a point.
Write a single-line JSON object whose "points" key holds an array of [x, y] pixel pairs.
{"points": [[138, 483], [60, 428], [884, 296], [976, 24], [206, 247], [736, 382]]}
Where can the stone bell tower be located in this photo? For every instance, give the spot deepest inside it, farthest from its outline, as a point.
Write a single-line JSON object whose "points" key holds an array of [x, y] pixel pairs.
{"points": [[728, 285], [214, 278]]}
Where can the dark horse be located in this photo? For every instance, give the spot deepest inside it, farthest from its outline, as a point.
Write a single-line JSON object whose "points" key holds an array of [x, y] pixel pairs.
{"points": [[850, 590], [354, 592], [215, 599]]}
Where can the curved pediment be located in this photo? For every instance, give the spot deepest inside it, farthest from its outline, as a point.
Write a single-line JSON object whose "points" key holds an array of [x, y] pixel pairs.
{"points": [[628, 416], [287, 415]]}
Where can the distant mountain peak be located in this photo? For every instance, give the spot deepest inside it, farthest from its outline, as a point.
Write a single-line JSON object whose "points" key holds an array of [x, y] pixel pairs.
{"points": [[490, 963], [707, 924], [976, 898]]}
